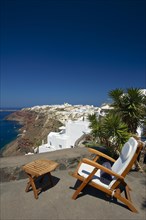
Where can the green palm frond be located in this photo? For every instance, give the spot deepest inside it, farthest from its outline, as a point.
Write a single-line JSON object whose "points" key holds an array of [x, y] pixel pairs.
{"points": [[130, 106]]}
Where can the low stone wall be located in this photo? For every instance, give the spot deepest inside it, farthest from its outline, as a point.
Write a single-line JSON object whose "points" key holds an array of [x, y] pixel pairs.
{"points": [[11, 167]]}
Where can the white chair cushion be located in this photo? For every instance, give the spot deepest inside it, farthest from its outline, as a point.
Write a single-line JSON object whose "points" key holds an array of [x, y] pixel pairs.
{"points": [[86, 169], [126, 150], [119, 166]]}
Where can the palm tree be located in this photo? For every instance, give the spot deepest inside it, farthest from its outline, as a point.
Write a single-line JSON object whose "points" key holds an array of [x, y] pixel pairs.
{"points": [[114, 129], [96, 127], [110, 131], [115, 132], [131, 106]]}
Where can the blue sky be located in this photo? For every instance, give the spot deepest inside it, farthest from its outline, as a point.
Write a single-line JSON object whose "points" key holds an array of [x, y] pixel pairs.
{"points": [[75, 51]]}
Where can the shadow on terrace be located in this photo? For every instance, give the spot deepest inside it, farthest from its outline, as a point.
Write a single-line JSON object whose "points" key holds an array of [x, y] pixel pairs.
{"points": [[56, 202]]}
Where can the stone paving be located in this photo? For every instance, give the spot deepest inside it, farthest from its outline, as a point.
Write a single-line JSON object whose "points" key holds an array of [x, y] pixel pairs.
{"points": [[55, 203]]}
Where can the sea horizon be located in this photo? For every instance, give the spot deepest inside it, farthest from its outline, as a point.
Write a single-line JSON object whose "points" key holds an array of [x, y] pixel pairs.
{"points": [[98, 104], [10, 109]]}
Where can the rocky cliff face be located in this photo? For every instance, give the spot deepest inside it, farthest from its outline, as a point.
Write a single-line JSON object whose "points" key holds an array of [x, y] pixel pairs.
{"points": [[37, 122], [35, 128]]}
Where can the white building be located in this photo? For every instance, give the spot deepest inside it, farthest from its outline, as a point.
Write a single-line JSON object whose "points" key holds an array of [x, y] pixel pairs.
{"points": [[143, 91], [67, 137]]}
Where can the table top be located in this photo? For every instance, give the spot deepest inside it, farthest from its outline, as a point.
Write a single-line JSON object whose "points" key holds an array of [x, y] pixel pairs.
{"points": [[40, 167]]}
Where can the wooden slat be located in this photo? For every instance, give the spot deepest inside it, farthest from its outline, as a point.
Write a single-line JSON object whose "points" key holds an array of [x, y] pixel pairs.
{"points": [[40, 167]]}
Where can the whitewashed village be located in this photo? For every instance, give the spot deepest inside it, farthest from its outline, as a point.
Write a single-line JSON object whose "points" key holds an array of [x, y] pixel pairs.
{"points": [[72, 129], [75, 125]]}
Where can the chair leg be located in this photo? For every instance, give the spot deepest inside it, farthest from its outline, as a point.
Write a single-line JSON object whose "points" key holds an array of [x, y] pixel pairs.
{"points": [[80, 188], [83, 184], [127, 193], [127, 201]]}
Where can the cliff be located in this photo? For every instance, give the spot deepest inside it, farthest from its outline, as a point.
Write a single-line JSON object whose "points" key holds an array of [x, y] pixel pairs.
{"points": [[35, 128], [38, 121]]}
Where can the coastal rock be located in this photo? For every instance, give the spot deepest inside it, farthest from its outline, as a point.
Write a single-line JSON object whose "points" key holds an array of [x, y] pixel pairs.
{"points": [[37, 122], [35, 128]]}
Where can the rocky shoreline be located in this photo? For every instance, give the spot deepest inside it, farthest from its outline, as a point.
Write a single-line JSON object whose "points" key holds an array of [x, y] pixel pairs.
{"points": [[35, 128], [37, 122]]}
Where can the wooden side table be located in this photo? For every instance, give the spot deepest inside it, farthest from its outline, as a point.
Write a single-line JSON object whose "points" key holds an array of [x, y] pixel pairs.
{"points": [[36, 169]]}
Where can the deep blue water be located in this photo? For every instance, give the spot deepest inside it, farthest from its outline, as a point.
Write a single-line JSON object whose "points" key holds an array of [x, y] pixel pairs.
{"points": [[8, 129]]}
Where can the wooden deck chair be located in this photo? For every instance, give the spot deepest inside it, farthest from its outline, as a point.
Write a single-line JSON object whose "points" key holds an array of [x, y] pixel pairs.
{"points": [[88, 172]]}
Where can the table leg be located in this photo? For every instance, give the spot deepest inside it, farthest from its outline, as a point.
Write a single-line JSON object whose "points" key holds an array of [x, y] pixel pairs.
{"points": [[28, 186], [50, 177], [42, 178], [32, 184]]}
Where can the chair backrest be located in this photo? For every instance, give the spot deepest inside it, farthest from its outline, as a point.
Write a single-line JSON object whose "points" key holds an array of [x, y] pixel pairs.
{"points": [[126, 159]]}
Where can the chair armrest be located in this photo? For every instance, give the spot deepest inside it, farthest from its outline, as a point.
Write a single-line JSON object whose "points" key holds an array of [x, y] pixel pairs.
{"points": [[101, 154], [105, 169]]}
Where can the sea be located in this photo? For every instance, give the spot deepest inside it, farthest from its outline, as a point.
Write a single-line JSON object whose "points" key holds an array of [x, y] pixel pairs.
{"points": [[8, 129]]}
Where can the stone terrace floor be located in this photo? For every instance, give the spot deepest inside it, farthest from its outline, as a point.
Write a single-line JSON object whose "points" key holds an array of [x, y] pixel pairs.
{"points": [[56, 203]]}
